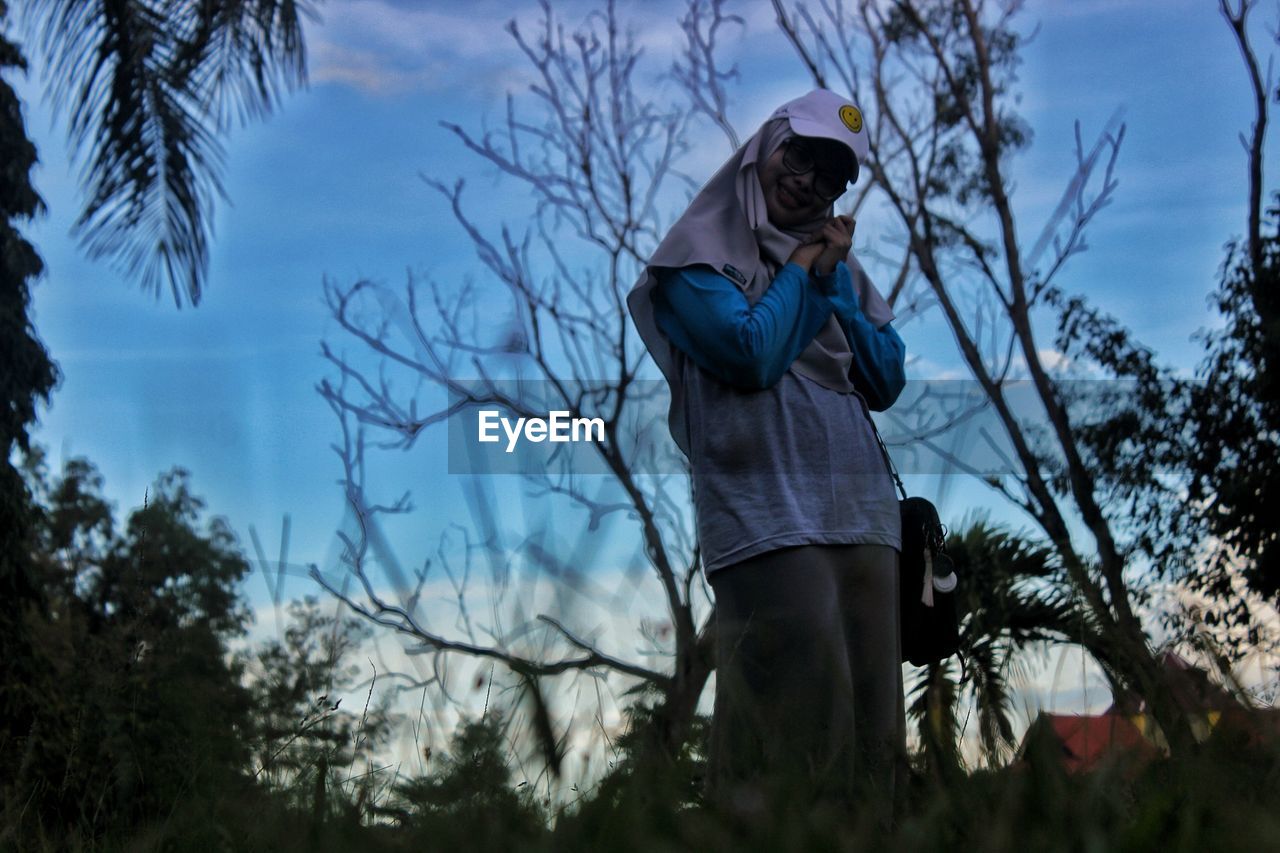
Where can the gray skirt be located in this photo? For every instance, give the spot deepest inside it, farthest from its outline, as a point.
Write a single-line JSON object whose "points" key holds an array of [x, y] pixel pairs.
{"points": [[808, 676]]}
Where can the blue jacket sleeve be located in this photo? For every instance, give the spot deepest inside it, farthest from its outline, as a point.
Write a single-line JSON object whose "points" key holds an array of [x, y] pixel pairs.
{"points": [[748, 346], [879, 355]]}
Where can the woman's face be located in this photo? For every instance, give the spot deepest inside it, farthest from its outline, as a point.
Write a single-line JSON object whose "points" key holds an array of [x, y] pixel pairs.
{"points": [[789, 198]]}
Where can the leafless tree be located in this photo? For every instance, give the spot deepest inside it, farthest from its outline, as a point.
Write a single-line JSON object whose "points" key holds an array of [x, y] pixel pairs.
{"points": [[598, 159], [1237, 17], [939, 79]]}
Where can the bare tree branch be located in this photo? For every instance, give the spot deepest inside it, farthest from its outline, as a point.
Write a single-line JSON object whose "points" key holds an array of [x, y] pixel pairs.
{"points": [[938, 75], [1237, 19], [546, 329], [698, 74]]}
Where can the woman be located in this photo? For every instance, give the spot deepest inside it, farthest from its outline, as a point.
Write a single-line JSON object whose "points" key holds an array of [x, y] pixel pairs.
{"points": [[775, 345]]}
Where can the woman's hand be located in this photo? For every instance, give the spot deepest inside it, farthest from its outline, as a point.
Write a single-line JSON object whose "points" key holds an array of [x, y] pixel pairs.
{"points": [[806, 253], [837, 239]]}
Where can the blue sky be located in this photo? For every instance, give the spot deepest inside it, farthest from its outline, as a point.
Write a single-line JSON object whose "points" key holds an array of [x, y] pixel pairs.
{"points": [[330, 187]]}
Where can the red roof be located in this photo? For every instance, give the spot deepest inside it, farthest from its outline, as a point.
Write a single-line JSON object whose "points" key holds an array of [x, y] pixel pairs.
{"points": [[1087, 740]]}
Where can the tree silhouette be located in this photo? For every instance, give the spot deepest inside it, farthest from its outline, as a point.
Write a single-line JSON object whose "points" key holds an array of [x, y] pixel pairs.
{"points": [[141, 707], [1235, 413], [470, 799], [148, 89], [28, 377], [305, 742]]}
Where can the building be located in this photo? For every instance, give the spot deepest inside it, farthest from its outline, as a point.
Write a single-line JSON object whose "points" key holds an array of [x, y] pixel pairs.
{"points": [[1127, 731]]}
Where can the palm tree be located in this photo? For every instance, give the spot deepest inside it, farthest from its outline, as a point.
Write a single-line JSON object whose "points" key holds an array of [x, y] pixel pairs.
{"points": [[1011, 597]]}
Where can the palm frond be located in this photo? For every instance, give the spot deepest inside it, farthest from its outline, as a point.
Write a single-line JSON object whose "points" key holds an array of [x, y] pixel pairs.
{"points": [[987, 663], [933, 709], [1013, 597], [149, 86], [245, 56]]}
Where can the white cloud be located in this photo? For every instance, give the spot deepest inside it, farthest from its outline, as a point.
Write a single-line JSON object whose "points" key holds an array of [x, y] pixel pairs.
{"points": [[1053, 360], [920, 367], [382, 47]]}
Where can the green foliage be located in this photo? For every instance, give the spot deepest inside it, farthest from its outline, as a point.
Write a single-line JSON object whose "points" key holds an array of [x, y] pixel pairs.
{"points": [[150, 86], [148, 728], [305, 744], [941, 25], [140, 707], [1010, 598], [1130, 432], [1182, 463], [1236, 422], [1008, 587], [1221, 796], [145, 737], [27, 376], [470, 802]]}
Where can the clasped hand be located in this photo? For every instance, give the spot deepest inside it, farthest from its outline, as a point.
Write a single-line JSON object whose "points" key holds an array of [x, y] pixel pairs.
{"points": [[826, 247]]}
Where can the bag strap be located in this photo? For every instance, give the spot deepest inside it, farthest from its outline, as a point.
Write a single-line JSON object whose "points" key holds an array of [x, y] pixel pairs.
{"points": [[888, 460]]}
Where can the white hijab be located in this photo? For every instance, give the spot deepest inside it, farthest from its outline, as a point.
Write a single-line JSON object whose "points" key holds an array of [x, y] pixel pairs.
{"points": [[727, 228]]}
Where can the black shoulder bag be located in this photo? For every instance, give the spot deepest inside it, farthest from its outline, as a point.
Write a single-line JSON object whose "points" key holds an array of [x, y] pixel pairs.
{"points": [[927, 580]]}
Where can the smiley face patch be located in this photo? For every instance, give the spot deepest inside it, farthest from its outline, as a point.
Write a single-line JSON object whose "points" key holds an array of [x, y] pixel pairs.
{"points": [[851, 117]]}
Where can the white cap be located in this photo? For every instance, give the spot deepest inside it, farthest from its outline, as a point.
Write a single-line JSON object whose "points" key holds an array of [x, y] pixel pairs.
{"points": [[823, 113]]}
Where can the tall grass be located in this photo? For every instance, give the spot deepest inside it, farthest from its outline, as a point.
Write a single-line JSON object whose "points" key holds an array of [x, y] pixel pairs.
{"points": [[1222, 796]]}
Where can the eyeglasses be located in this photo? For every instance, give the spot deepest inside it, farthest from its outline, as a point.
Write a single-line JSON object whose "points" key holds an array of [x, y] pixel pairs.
{"points": [[799, 159]]}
